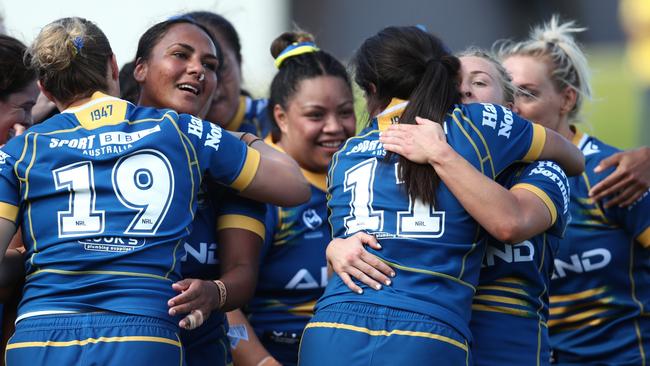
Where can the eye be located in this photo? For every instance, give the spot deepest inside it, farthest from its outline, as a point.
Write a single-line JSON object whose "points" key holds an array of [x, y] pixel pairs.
{"points": [[180, 54], [346, 113], [315, 116], [479, 83], [212, 66]]}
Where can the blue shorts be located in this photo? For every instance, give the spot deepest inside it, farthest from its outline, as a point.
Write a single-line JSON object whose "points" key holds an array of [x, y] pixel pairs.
{"points": [[208, 344], [94, 339], [367, 334], [508, 340]]}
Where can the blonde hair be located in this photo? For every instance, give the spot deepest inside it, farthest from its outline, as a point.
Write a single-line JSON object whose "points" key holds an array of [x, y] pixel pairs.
{"points": [[555, 42], [70, 56], [508, 88]]}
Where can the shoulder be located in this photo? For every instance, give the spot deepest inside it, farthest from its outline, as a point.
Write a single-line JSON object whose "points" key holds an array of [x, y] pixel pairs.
{"points": [[595, 151]]}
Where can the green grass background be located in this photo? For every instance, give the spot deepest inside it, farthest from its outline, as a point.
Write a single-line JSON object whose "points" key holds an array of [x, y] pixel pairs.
{"points": [[613, 113]]}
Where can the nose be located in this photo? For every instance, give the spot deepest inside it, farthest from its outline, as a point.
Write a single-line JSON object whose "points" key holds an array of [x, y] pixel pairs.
{"points": [[195, 67], [465, 95]]}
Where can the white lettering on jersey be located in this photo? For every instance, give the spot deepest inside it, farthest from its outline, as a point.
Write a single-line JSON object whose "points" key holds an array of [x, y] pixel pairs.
{"points": [[81, 143], [303, 280], [541, 168], [125, 138], [489, 115], [588, 261], [522, 252], [112, 244], [374, 146], [214, 137], [3, 157], [205, 254], [506, 125], [195, 127]]}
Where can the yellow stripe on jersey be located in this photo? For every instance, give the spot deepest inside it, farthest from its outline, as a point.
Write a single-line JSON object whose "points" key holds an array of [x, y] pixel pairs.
{"points": [[542, 195], [577, 317], [644, 238], [318, 180], [304, 309], [431, 273], [233, 221], [238, 118], [248, 171], [578, 295], [502, 299], [112, 273], [94, 341], [512, 280], [559, 310], [504, 310], [480, 135], [386, 333], [9, 212], [102, 110], [503, 288], [471, 141], [537, 145]]}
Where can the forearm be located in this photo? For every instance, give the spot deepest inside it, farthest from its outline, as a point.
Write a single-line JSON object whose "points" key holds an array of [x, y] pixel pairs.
{"points": [[492, 206], [247, 352], [239, 251], [240, 281]]}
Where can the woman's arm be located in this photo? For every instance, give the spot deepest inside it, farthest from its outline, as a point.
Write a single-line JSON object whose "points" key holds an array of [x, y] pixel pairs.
{"points": [[278, 180], [630, 180], [249, 352], [509, 216], [564, 152]]}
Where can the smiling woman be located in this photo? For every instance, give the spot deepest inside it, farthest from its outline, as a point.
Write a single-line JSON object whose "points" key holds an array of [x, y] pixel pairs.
{"points": [[18, 90]]}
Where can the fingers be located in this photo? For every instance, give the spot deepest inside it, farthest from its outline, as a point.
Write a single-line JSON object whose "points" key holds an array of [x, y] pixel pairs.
{"points": [[369, 240], [348, 282], [374, 274], [193, 320], [380, 266], [609, 162], [367, 280], [608, 186], [626, 196], [423, 121]]}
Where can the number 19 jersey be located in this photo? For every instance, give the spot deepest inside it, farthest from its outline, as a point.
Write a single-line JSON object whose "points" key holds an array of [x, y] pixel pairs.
{"points": [[106, 193], [436, 251]]}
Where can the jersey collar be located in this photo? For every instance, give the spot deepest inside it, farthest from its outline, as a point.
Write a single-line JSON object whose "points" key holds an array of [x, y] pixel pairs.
{"points": [[391, 114]]}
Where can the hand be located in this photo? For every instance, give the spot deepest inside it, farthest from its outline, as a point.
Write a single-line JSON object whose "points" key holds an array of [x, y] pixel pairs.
{"points": [[348, 257], [423, 143], [198, 298], [630, 180]]}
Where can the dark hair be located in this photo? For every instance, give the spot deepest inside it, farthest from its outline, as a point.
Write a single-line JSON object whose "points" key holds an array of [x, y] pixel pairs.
{"points": [[129, 87], [15, 75], [297, 68], [152, 36], [219, 25], [410, 64], [70, 56]]}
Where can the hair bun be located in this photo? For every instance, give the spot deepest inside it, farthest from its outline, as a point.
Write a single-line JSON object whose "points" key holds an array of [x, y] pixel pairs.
{"points": [[286, 39]]}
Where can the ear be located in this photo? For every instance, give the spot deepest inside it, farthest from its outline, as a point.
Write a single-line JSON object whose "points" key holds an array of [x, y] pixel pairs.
{"points": [[281, 118], [569, 98], [47, 94], [140, 70]]}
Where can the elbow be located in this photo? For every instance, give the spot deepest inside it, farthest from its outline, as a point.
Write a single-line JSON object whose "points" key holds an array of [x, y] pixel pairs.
{"points": [[578, 168], [508, 231]]}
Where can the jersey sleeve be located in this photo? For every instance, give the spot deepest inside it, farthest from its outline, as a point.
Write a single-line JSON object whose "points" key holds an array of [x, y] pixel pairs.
{"points": [[9, 182], [502, 135], [236, 212], [227, 160], [548, 181]]}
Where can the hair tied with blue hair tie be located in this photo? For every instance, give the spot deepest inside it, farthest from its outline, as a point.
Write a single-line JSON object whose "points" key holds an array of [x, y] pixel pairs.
{"points": [[77, 45], [295, 49]]}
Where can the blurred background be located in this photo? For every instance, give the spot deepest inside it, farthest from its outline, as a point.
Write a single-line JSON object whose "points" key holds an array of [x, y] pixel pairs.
{"points": [[621, 87]]}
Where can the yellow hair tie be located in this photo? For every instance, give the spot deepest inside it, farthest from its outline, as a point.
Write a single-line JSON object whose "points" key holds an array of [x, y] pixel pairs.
{"points": [[295, 49]]}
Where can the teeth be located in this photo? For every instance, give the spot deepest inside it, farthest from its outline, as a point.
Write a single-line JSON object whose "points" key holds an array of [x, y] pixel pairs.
{"points": [[331, 144], [189, 87]]}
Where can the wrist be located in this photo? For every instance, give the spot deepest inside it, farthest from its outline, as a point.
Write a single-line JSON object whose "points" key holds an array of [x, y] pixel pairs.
{"points": [[222, 294]]}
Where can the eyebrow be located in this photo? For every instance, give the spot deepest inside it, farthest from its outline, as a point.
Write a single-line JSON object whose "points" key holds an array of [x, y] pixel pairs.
{"points": [[480, 72]]}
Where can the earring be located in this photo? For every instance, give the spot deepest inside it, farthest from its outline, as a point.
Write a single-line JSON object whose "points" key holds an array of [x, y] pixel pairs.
{"points": [[201, 77]]}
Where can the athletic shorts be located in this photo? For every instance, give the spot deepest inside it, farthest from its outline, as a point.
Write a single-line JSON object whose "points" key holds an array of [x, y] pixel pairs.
{"points": [[371, 335], [508, 340], [94, 339], [208, 344]]}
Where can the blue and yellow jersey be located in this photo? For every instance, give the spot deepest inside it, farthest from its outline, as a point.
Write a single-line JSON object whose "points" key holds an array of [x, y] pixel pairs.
{"points": [[106, 193], [514, 281], [600, 288], [293, 269], [436, 251], [252, 116]]}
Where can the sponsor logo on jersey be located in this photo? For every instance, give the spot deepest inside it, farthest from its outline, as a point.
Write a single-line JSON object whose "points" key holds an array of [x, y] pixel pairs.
{"points": [[204, 254], [374, 147], [588, 261], [522, 252], [3, 157], [112, 244], [590, 148], [214, 137], [125, 138], [557, 176], [311, 219], [195, 127], [303, 280], [490, 119]]}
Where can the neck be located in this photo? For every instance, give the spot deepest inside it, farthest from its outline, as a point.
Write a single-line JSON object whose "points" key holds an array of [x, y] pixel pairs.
{"points": [[565, 130]]}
